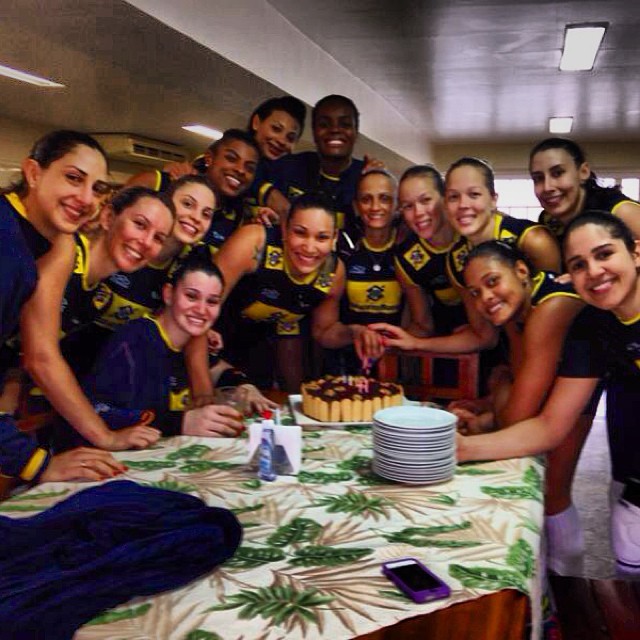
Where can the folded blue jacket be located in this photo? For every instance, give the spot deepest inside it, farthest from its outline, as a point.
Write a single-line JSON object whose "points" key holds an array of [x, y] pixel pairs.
{"points": [[100, 548]]}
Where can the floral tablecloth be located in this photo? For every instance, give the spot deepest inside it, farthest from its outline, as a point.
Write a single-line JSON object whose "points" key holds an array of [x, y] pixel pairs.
{"points": [[309, 563]]}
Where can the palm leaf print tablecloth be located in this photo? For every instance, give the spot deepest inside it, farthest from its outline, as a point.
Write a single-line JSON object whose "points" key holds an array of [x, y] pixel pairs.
{"points": [[309, 563]]}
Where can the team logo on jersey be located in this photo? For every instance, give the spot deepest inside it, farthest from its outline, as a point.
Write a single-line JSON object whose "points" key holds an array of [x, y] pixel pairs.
{"points": [[270, 294], [274, 258], [417, 257], [460, 257], [101, 296], [357, 270], [121, 280], [375, 293], [508, 236], [324, 281], [124, 312]]}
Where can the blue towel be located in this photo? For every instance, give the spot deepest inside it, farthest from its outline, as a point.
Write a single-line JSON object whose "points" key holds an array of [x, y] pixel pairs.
{"points": [[100, 548]]}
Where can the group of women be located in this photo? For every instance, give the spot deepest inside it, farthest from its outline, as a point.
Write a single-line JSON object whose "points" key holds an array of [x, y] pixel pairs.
{"points": [[427, 263]]}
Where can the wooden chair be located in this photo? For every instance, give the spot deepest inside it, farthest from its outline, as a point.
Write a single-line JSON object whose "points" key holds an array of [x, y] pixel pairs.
{"points": [[467, 373]]}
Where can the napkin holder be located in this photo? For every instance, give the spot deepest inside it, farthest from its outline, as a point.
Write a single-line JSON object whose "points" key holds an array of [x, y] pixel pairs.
{"points": [[287, 456]]}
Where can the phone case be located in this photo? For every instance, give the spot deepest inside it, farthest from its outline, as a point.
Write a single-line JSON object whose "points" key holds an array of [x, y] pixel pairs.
{"points": [[435, 591]]}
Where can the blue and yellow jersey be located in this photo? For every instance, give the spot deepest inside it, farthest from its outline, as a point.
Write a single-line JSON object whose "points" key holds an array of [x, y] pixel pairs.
{"points": [[600, 343], [140, 369], [372, 291], [226, 219], [505, 228], [257, 194], [21, 245], [271, 294], [82, 302], [424, 264], [599, 198], [545, 287], [162, 180], [299, 173]]}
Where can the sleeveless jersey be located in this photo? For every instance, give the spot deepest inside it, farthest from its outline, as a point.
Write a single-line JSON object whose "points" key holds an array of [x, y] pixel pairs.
{"points": [[271, 294], [82, 303], [372, 291], [506, 228], [21, 245], [424, 265], [600, 198], [545, 287], [299, 173]]}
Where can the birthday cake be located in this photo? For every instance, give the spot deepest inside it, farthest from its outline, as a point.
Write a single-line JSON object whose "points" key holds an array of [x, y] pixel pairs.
{"points": [[348, 398]]}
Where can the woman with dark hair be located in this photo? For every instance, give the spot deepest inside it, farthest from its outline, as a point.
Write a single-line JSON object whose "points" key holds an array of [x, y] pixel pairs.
{"points": [[470, 201], [279, 277], [372, 291], [142, 366], [62, 181], [603, 261], [566, 186], [135, 226], [435, 304]]}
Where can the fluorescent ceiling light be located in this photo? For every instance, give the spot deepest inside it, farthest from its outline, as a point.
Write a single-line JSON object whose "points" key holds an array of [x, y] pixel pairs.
{"points": [[207, 132], [560, 125], [28, 77], [581, 44]]}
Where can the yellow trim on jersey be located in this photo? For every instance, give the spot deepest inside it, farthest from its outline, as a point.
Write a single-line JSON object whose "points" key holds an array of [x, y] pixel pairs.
{"points": [[263, 191], [17, 204], [526, 231], [158, 183], [539, 279], [449, 296], [384, 247], [163, 334], [261, 312], [328, 177], [618, 204], [630, 321], [399, 267], [113, 316], [34, 465], [308, 279], [179, 400]]}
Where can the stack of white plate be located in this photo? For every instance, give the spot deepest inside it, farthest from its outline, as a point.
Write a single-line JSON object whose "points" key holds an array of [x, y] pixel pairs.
{"points": [[414, 444]]}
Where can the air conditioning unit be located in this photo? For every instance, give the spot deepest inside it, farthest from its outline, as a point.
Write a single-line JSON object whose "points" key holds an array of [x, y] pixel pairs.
{"points": [[132, 148]]}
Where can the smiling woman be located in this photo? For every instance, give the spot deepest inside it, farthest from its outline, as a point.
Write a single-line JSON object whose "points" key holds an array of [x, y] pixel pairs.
{"points": [[134, 227], [282, 275]]}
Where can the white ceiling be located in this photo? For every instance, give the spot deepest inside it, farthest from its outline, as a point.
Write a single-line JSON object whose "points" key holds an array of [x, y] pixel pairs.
{"points": [[421, 72]]}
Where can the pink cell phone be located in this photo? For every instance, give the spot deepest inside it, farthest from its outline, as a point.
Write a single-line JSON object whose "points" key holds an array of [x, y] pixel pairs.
{"points": [[415, 580]]}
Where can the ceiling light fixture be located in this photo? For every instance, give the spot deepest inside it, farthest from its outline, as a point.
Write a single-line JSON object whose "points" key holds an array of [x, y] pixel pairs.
{"points": [[23, 76], [560, 125], [581, 44], [201, 130]]}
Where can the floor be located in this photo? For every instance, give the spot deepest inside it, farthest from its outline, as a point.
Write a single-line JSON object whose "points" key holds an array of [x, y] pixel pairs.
{"points": [[591, 497]]}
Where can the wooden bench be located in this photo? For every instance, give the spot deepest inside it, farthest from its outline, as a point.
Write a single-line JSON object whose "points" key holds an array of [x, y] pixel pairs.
{"points": [[590, 609]]}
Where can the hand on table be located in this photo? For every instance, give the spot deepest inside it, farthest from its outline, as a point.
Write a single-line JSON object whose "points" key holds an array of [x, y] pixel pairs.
{"points": [[470, 423], [83, 463], [212, 420], [135, 437], [253, 401]]}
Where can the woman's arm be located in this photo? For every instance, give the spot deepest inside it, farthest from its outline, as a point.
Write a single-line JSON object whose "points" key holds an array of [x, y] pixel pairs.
{"points": [[542, 249], [543, 339], [536, 435], [40, 333], [240, 254], [477, 335], [331, 333], [629, 213], [421, 320]]}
